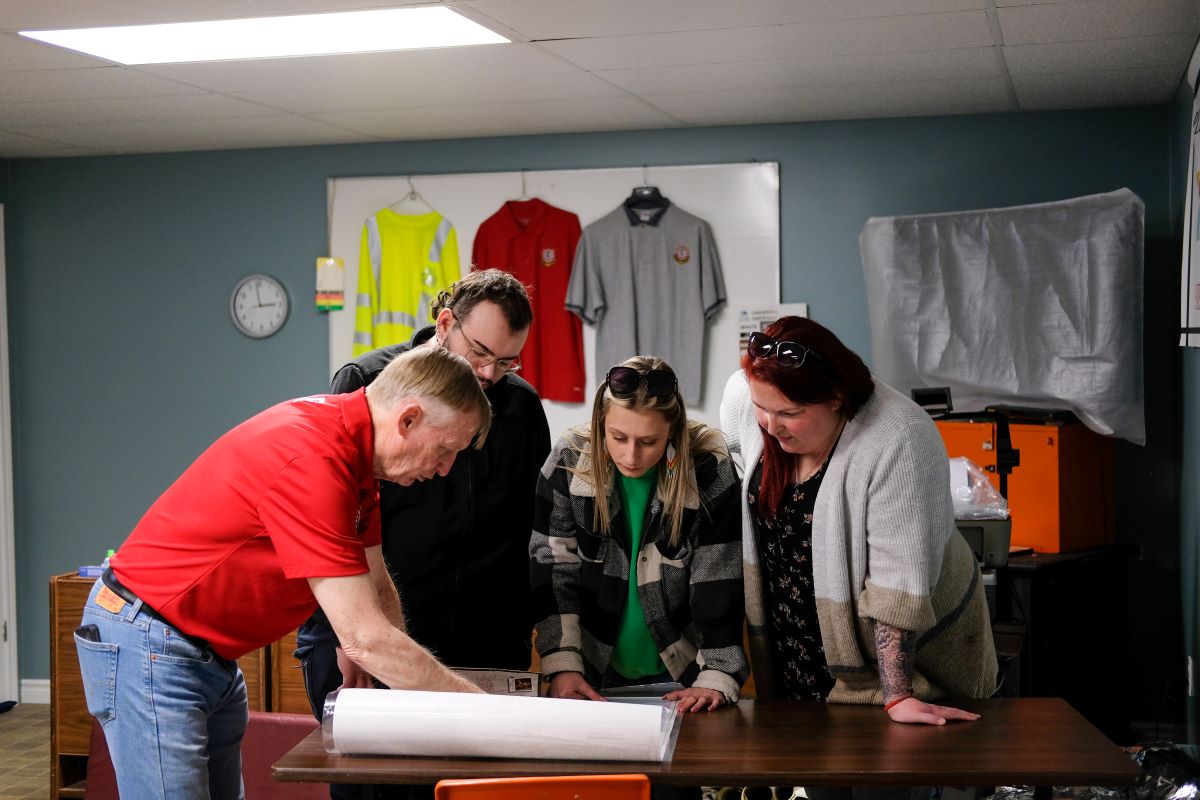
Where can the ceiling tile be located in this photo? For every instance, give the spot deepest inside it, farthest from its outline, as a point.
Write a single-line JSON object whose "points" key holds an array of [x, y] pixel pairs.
{"points": [[842, 70], [1095, 89], [1097, 19], [554, 116], [557, 19], [127, 109], [413, 92], [280, 130], [1095, 55], [428, 66], [657, 63], [883, 99], [964, 29], [14, 145], [81, 84]]}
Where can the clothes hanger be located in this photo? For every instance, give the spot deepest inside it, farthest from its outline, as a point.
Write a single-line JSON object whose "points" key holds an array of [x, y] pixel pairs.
{"points": [[411, 203], [646, 197], [524, 191]]}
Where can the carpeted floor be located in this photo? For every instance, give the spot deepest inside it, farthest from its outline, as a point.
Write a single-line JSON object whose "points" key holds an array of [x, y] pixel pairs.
{"points": [[25, 752]]}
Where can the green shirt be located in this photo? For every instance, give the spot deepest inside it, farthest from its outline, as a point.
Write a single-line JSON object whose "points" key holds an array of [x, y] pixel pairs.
{"points": [[635, 654]]}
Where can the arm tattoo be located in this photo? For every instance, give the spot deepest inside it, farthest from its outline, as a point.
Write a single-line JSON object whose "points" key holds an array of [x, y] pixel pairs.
{"points": [[894, 648]]}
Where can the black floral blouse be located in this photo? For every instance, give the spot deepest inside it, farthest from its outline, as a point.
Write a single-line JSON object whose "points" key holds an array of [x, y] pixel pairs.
{"points": [[785, 548]]}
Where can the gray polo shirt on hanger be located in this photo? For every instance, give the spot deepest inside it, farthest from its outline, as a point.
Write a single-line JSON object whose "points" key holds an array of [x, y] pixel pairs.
{"points": [[649, 282]]}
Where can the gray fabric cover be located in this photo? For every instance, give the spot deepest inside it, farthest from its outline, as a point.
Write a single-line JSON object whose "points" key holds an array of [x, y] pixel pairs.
{"points": [[1037, 306]]}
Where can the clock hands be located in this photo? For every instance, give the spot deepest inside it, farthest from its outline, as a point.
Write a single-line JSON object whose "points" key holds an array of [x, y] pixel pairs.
{"points": [[258, 295]]}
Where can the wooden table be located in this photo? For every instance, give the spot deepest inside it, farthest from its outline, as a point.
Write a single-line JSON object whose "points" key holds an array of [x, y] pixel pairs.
{"points": [[1018, 741]]}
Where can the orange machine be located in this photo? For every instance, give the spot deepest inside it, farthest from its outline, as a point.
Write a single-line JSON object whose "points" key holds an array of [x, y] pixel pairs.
{"points": [[1061, 494]]}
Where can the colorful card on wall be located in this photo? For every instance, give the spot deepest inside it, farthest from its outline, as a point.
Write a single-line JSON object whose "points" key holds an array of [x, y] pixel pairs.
{"points": [[331, 276]]}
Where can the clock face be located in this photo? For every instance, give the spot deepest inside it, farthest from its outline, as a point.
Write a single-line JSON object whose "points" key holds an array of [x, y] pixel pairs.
{"points": [[259, 306]]}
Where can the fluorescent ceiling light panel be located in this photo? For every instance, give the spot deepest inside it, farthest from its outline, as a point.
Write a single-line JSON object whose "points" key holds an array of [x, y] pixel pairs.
{"points": [[275, 37]]}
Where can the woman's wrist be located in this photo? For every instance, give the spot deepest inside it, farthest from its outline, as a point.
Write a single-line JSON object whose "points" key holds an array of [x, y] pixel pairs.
{"points": [[895, 701]]}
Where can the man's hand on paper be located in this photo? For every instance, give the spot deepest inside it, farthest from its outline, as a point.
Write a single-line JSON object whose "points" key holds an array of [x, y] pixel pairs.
{"points": [[572, 686], [353, 676], [696, 699]]}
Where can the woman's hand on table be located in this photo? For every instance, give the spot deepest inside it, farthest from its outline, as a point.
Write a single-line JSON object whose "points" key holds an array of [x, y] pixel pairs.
{"points": [[572, 686], [696, 699], [917, 712]]}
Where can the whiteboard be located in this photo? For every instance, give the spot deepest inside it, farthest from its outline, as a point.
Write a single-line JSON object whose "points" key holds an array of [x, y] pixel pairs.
{"points": [[739, 201]]}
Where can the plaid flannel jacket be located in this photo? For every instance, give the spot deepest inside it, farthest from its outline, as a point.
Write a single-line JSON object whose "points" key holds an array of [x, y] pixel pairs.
{"points": [[691, 595]]}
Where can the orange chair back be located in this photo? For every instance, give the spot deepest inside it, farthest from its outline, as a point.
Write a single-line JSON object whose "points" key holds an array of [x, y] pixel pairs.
{"points": [[567, 787]]}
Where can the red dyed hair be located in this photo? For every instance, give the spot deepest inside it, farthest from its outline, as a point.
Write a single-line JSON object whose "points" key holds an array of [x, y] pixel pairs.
{"points": [[831, 371]]}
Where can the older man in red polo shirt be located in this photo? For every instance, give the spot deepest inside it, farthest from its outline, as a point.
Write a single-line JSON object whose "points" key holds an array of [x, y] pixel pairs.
{"points": [[279, 515]]}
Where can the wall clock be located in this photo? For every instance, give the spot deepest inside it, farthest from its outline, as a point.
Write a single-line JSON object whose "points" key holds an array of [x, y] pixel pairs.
{"points": [[259, 306]]}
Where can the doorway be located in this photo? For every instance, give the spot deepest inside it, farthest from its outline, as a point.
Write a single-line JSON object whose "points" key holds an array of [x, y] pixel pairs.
{"points": [[9, 680]]}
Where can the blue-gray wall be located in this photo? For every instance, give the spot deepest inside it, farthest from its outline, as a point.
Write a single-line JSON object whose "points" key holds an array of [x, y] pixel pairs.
{"points": [[125, 364]]}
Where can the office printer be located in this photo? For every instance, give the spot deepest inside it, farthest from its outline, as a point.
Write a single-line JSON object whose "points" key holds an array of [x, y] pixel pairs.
{"points": [[989, 539]]}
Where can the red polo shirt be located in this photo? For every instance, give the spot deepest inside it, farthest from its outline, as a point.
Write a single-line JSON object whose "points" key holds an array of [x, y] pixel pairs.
{"points": [[290, 494], [535, 242]]}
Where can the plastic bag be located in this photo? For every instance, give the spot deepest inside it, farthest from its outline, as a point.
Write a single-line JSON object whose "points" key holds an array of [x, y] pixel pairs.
{"points": [[973, 494], [1169, 773]]}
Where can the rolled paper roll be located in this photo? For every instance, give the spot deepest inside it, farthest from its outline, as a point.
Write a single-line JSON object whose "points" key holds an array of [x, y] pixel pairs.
{"points": [[407, 723]]}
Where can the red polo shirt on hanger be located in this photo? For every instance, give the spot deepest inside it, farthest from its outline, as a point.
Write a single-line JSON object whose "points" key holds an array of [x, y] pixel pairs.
{"points": [[535, 242]]}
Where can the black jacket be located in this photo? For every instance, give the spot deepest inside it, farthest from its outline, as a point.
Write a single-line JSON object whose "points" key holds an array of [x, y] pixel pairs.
{"points": [[458, 546]]}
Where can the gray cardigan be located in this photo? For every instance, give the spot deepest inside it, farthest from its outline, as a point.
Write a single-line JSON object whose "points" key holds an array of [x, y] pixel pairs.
{"points": [[884, 548]]}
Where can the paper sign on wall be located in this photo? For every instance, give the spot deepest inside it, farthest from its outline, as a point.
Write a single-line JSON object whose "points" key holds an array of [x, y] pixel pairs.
{"points": [[758, 318], [331, 277]]}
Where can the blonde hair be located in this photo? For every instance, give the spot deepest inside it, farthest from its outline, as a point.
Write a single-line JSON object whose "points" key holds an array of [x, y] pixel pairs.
{"points": [[433, 374], [690, 440]]}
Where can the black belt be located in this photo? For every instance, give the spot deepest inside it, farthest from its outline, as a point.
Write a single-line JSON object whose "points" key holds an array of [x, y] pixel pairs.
{"points": [[123, 592]]}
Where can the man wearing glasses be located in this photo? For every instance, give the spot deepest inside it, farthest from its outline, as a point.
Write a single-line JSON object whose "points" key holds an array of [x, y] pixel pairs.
{"points": [[457, 546]]}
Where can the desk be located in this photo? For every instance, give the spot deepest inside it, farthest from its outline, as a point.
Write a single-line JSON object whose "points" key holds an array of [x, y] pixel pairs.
{"points": [[1069, 602], [1018, 741]]}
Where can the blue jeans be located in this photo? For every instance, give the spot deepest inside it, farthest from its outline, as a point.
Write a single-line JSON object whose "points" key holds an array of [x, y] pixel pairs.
{"points": [[173, 713]]}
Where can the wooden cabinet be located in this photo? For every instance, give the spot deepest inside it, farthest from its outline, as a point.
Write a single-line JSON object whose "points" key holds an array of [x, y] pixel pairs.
{"points": [[70, 723], [254, 669], [287, 679], [1069, 603], [1061, 494]]}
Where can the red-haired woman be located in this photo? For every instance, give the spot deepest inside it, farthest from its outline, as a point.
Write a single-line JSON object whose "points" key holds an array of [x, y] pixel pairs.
{"points": [[858, 588]]}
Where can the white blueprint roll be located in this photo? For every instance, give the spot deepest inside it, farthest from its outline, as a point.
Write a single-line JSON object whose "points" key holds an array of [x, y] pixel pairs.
{"points": [[407, 723]]}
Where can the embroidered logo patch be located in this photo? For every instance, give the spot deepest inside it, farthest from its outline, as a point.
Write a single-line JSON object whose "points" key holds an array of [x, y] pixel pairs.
{"points": [[682, 254], [549, 257]]}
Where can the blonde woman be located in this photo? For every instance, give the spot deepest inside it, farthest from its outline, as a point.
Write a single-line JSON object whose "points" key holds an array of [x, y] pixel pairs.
{"points": [[636, 549]]}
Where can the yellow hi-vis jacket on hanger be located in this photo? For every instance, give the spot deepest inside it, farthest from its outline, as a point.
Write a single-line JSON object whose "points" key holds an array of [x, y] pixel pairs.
{"points": [[404, 262]]}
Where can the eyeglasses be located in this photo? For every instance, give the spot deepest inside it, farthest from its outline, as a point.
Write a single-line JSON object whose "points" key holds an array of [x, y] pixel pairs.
{"points": [[790, 354], [623, 382], [480, 357]]}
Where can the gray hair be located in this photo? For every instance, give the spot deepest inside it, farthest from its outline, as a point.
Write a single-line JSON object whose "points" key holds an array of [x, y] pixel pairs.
{"points": [[433, 373]]}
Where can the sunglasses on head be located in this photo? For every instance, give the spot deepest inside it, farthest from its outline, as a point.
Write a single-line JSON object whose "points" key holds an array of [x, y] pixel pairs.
{"points": [[623, 382], [790, 354]]}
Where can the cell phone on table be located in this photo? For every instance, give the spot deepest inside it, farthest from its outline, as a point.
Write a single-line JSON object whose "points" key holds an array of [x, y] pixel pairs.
{"points": [[89, 633]]}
